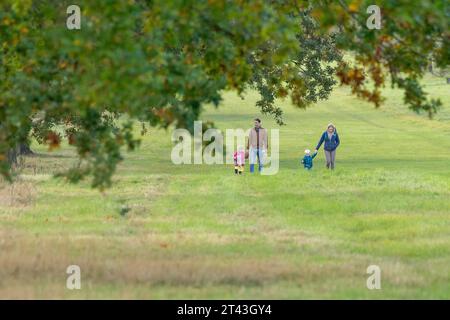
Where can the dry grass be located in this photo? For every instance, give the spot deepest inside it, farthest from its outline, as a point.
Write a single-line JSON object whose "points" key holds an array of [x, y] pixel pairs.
{"points": [[19, 194], [155, 260]]}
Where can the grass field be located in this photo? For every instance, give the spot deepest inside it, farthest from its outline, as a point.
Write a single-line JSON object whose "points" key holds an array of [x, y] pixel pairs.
{"points": [[198, 231]]}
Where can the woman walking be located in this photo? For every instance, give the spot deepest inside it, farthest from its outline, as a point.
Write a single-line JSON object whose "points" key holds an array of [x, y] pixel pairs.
{"points": [[331, 139]]}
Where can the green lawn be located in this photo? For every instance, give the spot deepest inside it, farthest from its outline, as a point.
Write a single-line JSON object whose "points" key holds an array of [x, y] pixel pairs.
{"points": [[198, 231]]}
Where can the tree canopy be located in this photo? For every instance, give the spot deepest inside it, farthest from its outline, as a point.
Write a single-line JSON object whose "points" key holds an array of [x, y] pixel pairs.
{"points": [[159, 62]]}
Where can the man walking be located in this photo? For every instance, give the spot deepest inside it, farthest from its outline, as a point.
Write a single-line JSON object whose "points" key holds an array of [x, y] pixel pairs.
{"points": [[257, 145]]}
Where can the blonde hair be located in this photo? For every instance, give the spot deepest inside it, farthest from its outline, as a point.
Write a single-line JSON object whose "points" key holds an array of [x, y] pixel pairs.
{"points": [[331, 125]]}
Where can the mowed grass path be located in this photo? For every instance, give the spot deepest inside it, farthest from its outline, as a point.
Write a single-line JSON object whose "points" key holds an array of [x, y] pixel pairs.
{"points": [[198, 231]]}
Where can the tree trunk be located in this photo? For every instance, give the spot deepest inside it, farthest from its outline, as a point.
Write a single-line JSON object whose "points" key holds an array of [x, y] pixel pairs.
{"points": [[12, 157], [22, 149]]}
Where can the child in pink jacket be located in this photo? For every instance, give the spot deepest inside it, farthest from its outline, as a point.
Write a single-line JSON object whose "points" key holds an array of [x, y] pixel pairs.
{"points": [[239, 160]]}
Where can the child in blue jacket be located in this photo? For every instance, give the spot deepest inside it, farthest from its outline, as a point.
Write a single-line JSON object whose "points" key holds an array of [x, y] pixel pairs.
{"points": [[307, 160]]}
